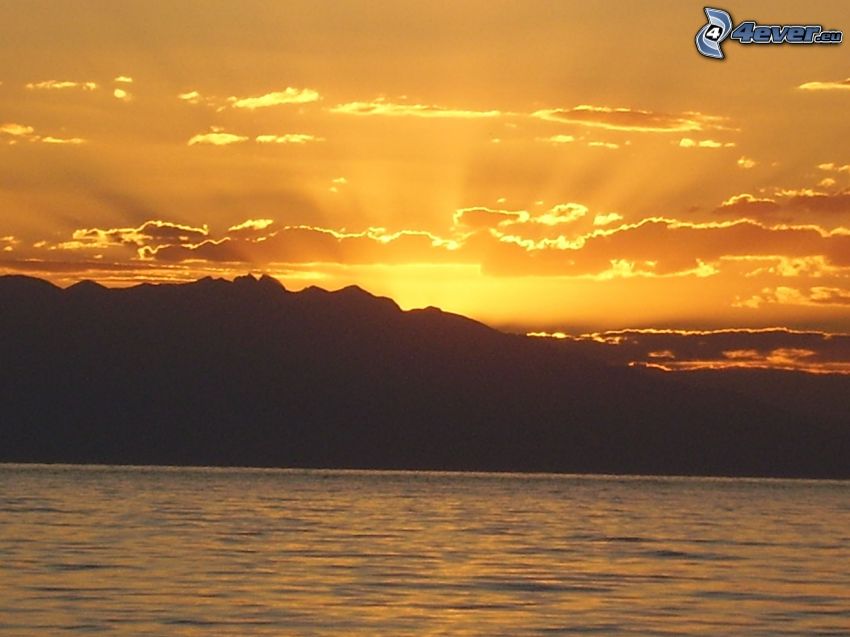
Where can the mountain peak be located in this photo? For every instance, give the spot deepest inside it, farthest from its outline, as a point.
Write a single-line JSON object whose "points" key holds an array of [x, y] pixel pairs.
{"points": [[26, 290], [24, 282], [246, 279], [354, 289], [262, 282], [86, 285], [271, 282]]}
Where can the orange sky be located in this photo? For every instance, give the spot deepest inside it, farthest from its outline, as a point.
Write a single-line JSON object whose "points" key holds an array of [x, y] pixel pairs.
{"points": [[543, 165]]}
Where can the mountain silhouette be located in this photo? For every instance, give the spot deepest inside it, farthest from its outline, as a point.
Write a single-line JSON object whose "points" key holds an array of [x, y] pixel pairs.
{"points": [[247, 373]]}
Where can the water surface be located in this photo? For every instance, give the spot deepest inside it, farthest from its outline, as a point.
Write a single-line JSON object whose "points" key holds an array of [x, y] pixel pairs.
{"points": [[168, 551]]}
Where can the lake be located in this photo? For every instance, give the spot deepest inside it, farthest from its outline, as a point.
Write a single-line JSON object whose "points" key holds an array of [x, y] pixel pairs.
{"points": [[197, 551]]}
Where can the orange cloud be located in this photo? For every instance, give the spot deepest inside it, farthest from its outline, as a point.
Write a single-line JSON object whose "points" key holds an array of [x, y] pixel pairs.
{"points": [[653, 247], [832, 167], [557, 139], [687, 142], [191, 97], [840, 85], [61, 85], [310, 244], [483, 217], [13, 133], [606, 219], [216, 137], [561, 213], [251, 224], [288, 95], [382, 107], [564, 241], [520, 222], [629, 119], [150, 233], [49, 139], [789, 203], [608, 145], [122, 94], [288, 138], [16, 130], [746, 204], [219, 137], [812, 296], [8, 243]]}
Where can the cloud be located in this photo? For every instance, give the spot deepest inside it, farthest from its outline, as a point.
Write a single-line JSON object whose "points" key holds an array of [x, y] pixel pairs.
{"points": [[605, 219], [13, 133], [61, 85], [747, 204], [557, 139], [812, 266], [251, 225], [311, 244], [254, 241], [832, 167], [151, 233], [628, 119], [61, 140], [192, 97], [564, 241], [746, 162], [335, 183], [216, 137], [608, 145], [287, 96], [219, 137], [381, 107], [8, 243], [687, 350], [483, 217], [121, 94], [840, 85], [812, 296], [289, 138], [788, 204], [16, 130], [687, 142], [561, 213], [123, 79], [654, 246]]}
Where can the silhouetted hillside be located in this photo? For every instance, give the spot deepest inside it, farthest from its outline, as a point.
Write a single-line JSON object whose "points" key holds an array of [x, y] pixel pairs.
{"points": [[247, 373]]}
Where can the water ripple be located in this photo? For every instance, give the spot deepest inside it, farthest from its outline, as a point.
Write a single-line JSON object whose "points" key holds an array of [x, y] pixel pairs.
{"points": [[153, 551]]}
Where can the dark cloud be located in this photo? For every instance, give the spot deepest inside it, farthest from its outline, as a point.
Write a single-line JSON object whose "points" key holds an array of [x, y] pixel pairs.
{"points": [[787, 204], [777, 348], [308, 244], [481, 217]]}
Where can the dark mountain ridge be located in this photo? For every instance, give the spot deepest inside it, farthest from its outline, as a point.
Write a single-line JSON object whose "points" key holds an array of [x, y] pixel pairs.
{"points": [[247, 373]]}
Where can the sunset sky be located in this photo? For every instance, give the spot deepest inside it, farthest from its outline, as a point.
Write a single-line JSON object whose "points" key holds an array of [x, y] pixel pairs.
{"points": [[555, 165]]}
